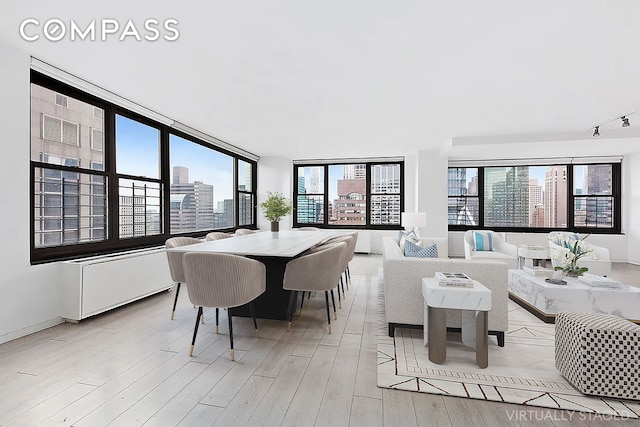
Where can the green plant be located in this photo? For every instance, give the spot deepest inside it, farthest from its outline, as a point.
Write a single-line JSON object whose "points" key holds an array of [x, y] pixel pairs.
{"points": [[276, 206]]}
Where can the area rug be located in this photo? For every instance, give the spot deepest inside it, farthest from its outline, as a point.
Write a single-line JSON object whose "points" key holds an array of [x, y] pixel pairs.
{"points": [[522, 372]]}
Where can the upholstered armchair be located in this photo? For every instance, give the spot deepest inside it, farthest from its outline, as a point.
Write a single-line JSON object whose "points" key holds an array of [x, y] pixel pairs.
{"points": [[598, 261], [488, 245]]}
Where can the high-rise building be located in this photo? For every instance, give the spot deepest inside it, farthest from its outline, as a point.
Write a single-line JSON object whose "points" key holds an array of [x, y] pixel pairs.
{"points": [[495, 196], [385, 187], [307, 211], [535, 199], [555, 197], [351, 206], [593, 211], [192, 204], [517, 197]]}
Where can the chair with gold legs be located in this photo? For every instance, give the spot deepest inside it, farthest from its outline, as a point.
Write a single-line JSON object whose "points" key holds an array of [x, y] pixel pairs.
{"points": [[317, 271], [175, 263], [223, 281]]}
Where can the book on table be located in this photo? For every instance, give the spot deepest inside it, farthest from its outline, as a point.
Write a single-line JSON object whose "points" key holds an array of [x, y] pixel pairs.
{"points": [[454, 280], [537, 271], [598, 281]]}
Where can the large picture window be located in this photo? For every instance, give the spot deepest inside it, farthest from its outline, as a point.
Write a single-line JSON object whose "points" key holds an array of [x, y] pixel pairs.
{"points": [[105, 179], [578, 197], [349, 195]]}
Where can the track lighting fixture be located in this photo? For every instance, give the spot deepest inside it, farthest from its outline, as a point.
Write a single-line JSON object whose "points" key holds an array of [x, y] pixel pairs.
{"points": [[625, 122]]}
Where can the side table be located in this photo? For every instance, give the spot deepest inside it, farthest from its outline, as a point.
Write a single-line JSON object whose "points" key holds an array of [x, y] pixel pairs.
{"points": [[533, 255], [474, 303]]}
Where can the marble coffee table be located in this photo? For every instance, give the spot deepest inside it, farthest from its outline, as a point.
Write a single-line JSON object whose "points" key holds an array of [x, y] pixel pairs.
{"points": [[545, 300]]}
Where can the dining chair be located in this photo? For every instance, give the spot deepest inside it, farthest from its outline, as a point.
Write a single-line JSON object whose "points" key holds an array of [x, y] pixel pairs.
{"points": [[175, 263], [308, 229], [217, 235], [351, 253], [223, 281], [243, 231], [350, 240], [316, 271]]}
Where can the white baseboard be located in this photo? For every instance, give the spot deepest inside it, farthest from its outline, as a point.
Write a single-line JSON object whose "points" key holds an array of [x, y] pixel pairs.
{"points": [[30, 329]]}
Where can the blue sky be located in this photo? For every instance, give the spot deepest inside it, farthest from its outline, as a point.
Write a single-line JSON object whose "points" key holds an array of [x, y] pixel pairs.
{"points": [[135, 142]]}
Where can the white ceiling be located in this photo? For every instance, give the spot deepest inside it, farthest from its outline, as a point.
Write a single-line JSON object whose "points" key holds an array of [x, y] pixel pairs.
{"points": [[366, 78]]}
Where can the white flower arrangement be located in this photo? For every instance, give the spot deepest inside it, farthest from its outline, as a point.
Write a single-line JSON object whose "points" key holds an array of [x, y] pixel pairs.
{"points": [[571, 249]]}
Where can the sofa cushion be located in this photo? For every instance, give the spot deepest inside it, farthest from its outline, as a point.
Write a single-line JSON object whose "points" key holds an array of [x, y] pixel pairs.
{"points": [[483, 240], [415, 251], [476, 255]]}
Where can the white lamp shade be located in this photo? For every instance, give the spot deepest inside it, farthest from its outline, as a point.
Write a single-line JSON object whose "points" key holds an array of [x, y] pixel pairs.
{"points": [[412, 220]]}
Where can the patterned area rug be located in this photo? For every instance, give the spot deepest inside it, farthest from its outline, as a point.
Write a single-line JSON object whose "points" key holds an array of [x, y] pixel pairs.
{"points": [[521, 372]]}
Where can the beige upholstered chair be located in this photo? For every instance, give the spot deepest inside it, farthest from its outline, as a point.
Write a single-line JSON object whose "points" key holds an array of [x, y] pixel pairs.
{"points": [[308, 229], [317, 271], [351, 253], [350, 239], [243, 231], [217, 235], [223, 281], [175, 263]]}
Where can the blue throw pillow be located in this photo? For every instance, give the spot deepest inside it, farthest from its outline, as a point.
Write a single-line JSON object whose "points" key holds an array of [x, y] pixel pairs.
{"points": [[414, 251], [483, 240], [404, 236]]}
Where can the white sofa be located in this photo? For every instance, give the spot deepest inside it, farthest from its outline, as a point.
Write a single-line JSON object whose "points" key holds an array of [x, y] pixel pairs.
{"points": [[502, 251], [598, 262], [403, 285]]}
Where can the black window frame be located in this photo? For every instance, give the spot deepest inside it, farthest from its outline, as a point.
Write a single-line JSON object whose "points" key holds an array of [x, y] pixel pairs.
{"points": [[112, 243], [616, 194], [325, 166]]}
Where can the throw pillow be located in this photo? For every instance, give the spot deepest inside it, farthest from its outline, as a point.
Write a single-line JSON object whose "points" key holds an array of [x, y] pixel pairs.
{"points": [[404, 236], [483, 240], [414, 251]]}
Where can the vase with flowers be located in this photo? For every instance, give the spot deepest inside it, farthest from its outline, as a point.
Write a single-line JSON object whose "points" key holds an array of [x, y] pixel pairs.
{"points": [[568, 251]]}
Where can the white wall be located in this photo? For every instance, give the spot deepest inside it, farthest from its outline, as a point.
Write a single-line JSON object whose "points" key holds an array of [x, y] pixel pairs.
{"points": [[275, 174], [431, 185], [631, 208], [30, 294]]}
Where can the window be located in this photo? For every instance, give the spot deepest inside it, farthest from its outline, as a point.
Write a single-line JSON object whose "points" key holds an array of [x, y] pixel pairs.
{"points": [[58, 130], [106, 179], [202, 194], [463, 202], [385, 194], [97, 139], [349, 195], [594, 201], [578, 197], [246, 194], [62, 100], [310, 196]]}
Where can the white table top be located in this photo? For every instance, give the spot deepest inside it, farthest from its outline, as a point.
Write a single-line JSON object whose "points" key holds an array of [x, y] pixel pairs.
{"points": [[534, 252], [285, 243], [476, 298]]}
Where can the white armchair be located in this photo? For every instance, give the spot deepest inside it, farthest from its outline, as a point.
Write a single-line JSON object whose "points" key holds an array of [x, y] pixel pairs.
{"points": [[598, 261], [501, 250]]}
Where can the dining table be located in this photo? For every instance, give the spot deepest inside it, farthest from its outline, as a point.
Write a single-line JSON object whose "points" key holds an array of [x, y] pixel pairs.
{"points": [[274, 250]]}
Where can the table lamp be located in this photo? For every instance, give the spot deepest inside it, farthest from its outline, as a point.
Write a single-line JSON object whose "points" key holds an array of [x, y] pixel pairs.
{"points": [[412, 220]]}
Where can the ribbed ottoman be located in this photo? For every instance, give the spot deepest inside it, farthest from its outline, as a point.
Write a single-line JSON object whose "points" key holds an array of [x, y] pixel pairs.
{"points": [[599, 354]]}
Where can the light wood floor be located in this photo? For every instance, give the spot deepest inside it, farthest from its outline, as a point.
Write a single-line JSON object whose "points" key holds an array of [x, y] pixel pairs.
{"points": [[131, 367]]}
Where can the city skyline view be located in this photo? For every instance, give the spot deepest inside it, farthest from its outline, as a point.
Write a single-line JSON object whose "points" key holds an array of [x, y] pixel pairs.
{"points": [[531, 196]]}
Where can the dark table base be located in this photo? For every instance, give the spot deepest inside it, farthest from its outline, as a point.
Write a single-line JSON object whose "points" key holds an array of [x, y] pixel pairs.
{"points": [[273, 303]]}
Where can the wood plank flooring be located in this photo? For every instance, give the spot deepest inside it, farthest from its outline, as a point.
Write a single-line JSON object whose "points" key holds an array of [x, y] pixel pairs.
{"points": [[131, 366]]}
